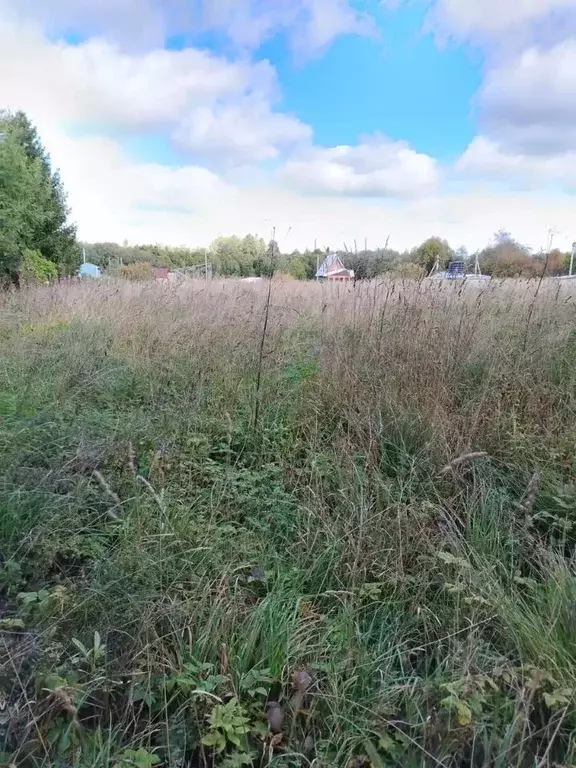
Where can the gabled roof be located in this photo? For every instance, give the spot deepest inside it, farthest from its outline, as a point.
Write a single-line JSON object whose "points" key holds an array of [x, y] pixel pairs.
{"points": [[332, 266], [89, 270]]}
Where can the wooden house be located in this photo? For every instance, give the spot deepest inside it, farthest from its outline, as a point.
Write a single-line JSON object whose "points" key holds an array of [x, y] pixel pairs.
{"points": [[332, 268]]}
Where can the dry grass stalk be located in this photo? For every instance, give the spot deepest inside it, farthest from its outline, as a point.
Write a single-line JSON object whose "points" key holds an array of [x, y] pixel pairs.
{"points": [[466, 458], [103, 483], [132, 458], [531, 494]]}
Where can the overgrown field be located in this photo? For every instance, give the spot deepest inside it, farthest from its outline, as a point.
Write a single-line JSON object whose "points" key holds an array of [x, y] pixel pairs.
{"points": [[206, 507]]}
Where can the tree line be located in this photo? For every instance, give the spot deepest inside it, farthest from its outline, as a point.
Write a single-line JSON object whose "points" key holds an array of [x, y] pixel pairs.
{"points": [[251, 256], [38, 242]]}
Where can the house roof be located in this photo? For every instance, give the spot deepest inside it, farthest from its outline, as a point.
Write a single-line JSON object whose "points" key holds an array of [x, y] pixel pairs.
{"points": [[332, 266], [89, 270]]}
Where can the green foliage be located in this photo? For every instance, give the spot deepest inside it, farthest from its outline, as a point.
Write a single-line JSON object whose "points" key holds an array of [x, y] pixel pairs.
{"points": [[33, 209], [228, 726], [136, 758], [21, 211], [297, 269], [432, 250], [92, 656], [10, 575], [34, 267]]}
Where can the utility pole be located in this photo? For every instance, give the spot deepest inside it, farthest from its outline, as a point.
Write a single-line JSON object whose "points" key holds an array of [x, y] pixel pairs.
{"points": [[551, 234], [572, 259]]}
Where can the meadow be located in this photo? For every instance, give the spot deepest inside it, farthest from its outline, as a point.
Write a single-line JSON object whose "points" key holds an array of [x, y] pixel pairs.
{"points": [[288, 524]]}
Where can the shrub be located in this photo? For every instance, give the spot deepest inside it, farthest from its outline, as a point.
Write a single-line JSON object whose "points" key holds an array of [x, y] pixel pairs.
{"points": [[35, 268], [138, 270], [410, 271]]}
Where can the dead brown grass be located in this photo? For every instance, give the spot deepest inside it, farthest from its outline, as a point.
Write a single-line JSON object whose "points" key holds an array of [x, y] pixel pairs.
{"points": [[471, 359]]}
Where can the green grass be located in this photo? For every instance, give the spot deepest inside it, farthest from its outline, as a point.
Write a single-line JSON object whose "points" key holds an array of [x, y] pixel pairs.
{"points": [[169, 566]]}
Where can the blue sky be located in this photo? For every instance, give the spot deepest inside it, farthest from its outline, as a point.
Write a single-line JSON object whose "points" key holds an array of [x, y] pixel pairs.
{"points": [[400, 84], [180, 120]]}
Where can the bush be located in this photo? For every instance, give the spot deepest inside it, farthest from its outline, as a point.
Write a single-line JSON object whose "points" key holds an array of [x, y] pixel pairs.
{"points": [[139, 270], [297, 269], [410, 271], [35, 268]]}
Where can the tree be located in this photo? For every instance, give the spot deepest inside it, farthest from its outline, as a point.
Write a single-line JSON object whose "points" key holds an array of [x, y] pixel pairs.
{"points": [[432, 250], [557, 262], [33, 197], [55, 237], [21, 210], [297, 268], [508, 258], [369, 264]]}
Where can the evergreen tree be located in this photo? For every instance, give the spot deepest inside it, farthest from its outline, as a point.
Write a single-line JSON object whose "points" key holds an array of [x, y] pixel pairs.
{"points": [[40, 189]]}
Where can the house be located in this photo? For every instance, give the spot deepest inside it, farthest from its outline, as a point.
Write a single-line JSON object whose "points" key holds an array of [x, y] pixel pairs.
{"points": [[89, 270], [332, 268], [161, 273]]}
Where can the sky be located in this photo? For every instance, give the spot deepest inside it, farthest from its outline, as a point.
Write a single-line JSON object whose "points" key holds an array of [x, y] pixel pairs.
{"points": [[330, 121]]}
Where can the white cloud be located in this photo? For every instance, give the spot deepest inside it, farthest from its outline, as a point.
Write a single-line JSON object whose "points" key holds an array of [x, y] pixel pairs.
{"points": [[114, 198], [528, 119], [469, 18], [135, 23], [223, 112], [210, 104], [107, 189], [485, 158], [246, 132], [311, 25], [529, 101], [377, 167]]}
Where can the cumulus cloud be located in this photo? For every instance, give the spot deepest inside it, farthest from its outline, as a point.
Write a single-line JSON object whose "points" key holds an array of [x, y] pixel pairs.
{"points": [[107, 213], [486, 158], [471, 18], [105, 185], [224, 113], [133, 23], [206, 102], [528, 119], [113, 198], [311, 25], [376, 167], [529, 102], [245, 132]]}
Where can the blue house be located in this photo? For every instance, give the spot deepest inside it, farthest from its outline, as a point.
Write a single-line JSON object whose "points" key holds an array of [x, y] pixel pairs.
{"points": [[89, 270]]}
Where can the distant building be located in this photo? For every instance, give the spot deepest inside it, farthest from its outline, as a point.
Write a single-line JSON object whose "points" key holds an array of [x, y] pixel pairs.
{"points": [[89, 270], [332, 268], [457, 271]]}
